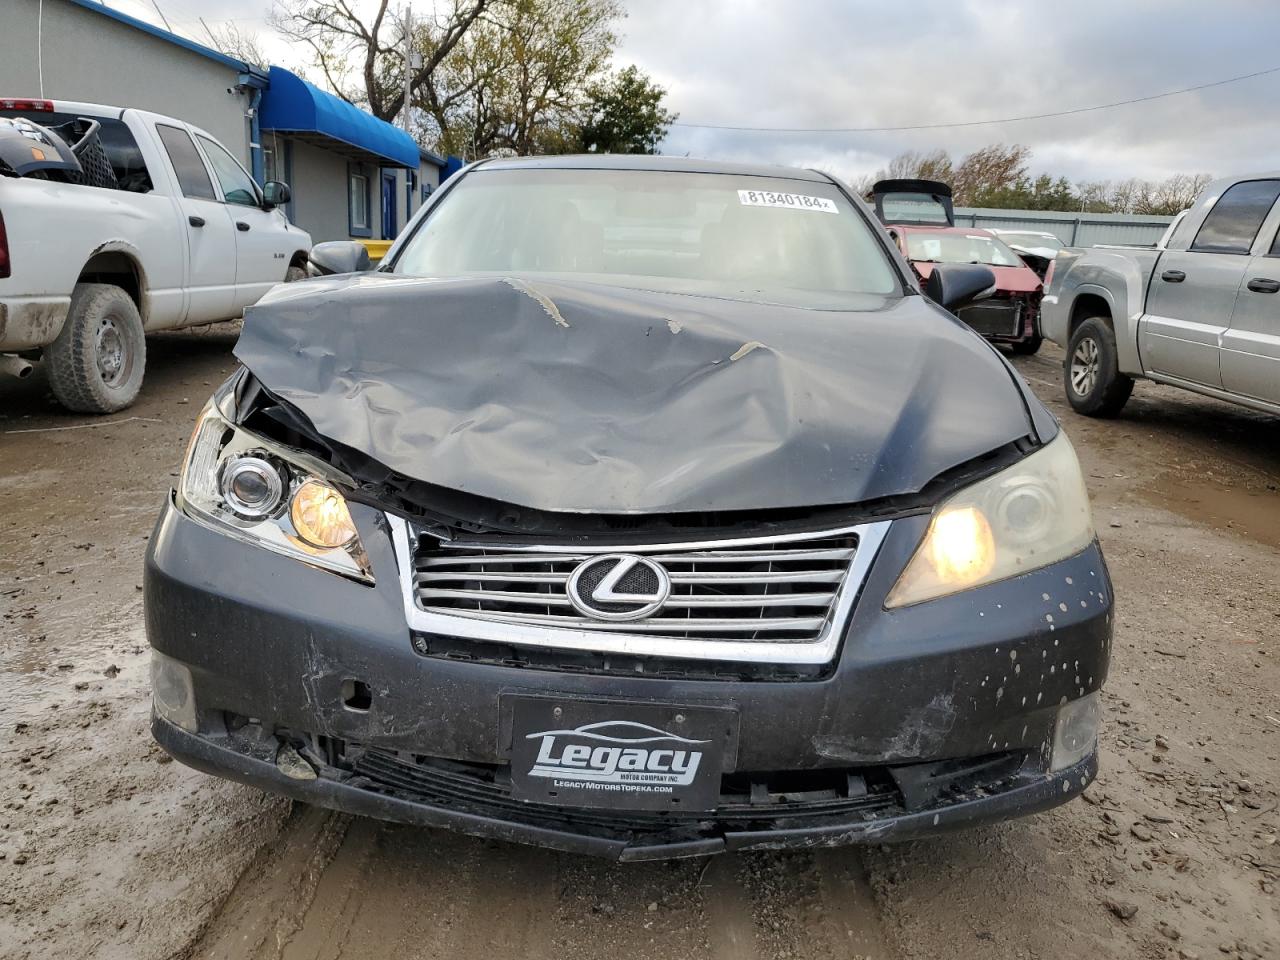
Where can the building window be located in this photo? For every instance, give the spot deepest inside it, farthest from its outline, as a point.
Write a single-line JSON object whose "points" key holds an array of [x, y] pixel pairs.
{"points": [[358, 202]]}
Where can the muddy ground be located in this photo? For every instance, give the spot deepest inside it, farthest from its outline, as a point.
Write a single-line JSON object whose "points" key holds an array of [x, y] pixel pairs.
{"points": [[107, 850]]}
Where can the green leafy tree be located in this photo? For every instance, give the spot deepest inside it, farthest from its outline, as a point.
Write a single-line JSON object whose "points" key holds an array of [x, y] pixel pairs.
{"points": [[521, 79], [625, 115]]}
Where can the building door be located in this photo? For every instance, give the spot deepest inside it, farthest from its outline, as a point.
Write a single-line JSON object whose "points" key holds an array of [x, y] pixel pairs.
{"points": [[388, 205]]}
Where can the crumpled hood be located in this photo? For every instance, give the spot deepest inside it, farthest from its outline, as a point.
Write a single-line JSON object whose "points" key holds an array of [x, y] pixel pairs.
{"points": [[580, 397]]}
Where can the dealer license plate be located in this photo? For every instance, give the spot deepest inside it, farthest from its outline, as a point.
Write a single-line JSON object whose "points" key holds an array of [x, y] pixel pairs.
{"points": [[619, 755]]}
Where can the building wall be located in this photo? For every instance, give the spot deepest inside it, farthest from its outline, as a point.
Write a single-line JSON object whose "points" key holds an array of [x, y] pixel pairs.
{"points": [[93, 59], [318, 183], [1073, 229]]}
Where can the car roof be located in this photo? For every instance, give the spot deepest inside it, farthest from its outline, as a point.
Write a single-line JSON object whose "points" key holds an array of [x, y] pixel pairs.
{"points": [[622, 161]]}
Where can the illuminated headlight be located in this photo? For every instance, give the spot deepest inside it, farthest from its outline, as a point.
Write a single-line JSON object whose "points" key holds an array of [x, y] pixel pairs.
{"points": [[272, 496], [1027, 516], [320, 515], [1075, 735]]}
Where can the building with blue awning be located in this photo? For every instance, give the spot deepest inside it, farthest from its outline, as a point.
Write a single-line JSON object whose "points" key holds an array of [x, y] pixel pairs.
{"points": [[351, 174], [327, 148]]}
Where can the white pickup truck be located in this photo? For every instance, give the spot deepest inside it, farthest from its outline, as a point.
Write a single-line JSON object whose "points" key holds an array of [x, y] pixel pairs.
{"points": [[186, 238]]}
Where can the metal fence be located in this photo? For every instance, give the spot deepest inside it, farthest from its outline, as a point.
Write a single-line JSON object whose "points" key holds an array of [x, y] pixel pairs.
{"points": [[1073, 229]]}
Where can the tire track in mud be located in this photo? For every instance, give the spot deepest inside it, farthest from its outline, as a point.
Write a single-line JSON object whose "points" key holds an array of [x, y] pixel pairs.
{"points": [[731, 928], [646, 911], [814, 905], [267, 903], [333, 886], [854, 921], [405, 892]]}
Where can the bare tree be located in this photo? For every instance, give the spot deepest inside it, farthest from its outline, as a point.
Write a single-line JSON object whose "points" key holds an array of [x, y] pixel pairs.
{"points": [[1092, 196], [362, 58], [1123, 195], [918, 166], [1178, 192], [231, 40]]}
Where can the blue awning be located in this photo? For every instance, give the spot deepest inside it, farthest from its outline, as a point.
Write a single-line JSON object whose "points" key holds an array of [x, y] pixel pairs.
{"points": [[291, 105]]}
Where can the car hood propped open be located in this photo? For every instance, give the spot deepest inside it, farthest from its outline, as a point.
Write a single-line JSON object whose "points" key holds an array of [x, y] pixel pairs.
{"points": [[591, 398]]}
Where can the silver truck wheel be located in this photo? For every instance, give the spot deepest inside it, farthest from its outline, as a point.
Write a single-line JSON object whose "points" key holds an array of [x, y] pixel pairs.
{"points": [[1091, 371], [97, 362], [1084, 367]]}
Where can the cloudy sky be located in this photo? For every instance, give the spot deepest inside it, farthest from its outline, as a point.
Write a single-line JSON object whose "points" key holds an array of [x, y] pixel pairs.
{"points": [[826, 63]]}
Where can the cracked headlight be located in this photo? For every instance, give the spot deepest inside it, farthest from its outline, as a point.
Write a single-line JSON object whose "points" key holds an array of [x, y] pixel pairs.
{"points": [[268, 495], [1027, 516]]}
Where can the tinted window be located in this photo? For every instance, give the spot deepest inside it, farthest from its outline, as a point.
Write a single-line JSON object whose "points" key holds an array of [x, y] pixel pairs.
{"points": [[1236, 217], [913, 208], [790, 241], [193, 178], [237, 186], [122, 149]]}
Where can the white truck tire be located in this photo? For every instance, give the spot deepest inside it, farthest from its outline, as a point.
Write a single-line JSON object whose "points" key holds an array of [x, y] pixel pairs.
{"points": [[97, 362]]}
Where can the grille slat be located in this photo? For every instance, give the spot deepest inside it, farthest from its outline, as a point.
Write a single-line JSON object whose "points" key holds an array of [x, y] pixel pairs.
{"points": [[764, 576], [778, 590], [665, 626]]}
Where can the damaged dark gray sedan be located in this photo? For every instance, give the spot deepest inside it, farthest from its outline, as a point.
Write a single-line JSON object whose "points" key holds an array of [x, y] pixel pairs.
{"points": [[637, 507]]}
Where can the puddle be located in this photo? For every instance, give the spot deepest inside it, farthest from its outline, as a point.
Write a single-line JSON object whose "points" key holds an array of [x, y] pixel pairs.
{"points": [[1252, 513]]}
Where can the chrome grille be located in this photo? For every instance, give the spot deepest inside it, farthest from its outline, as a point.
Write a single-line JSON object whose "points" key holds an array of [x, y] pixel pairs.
{"points": [[769, 599]]}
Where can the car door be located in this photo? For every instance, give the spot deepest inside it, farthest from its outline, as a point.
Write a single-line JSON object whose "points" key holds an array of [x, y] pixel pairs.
{"points": [[261, 260], [1251, 345], [211, 240], [1193, 290]]}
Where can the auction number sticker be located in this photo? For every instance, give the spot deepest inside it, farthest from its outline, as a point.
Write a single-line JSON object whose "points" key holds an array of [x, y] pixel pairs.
{"points": [[791, 201]]}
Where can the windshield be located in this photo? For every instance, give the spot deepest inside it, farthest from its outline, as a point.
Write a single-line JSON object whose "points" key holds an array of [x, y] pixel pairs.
{"points": [[1031, 240], [960, 248], [795, 242]]}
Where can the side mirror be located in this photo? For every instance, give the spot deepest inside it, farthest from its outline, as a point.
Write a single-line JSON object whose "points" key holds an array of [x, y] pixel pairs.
{"points": [[338, 256], [956, 285], [275, 194]]}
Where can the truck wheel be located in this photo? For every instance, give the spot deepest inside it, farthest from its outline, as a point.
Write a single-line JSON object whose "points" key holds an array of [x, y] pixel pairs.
{"points": [[1091, 371], [1025, 348], [96, 364]]}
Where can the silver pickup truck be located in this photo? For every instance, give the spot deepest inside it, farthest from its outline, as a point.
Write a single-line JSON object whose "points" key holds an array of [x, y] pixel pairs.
{"points": [[1199, 310]]}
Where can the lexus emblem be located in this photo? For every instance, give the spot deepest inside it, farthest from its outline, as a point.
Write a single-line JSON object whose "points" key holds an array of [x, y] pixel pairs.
{"points": [[619, 586]]}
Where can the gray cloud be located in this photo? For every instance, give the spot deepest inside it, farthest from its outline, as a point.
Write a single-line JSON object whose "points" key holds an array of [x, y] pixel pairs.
{"points": [[823, 63]]}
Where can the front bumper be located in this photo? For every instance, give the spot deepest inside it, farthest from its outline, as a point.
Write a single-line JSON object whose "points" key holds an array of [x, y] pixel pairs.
{"points": [[214, 755], [274, 646]]}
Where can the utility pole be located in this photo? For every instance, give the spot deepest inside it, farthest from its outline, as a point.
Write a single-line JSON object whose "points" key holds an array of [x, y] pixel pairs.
{"points": [[408, 67]]}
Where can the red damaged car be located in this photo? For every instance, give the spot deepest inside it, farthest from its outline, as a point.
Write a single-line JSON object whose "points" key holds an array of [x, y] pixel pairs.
{"points": [[919, 216]]}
